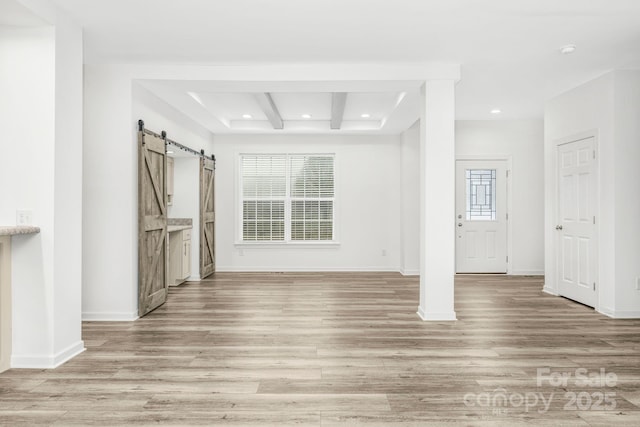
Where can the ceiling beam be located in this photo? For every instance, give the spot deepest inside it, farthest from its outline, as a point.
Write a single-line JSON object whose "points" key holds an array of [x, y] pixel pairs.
{"points": [[338, 101], [270, 110]]}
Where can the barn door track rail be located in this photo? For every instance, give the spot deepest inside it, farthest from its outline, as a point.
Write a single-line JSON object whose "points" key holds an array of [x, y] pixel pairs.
{"points": [[168, 142]]}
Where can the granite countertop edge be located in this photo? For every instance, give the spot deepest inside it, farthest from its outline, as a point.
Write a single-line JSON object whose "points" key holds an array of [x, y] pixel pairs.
{"points": [[14, 230], [179, 221], [179, 224], [172, 228]]}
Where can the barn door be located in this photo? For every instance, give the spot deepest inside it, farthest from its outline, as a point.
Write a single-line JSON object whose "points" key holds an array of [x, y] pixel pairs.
{"points": [[207, 218], [152, 222]]}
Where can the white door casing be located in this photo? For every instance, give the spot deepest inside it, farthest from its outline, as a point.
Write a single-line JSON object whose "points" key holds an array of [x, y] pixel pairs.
{"points": [[481, 216], [576, 245]]}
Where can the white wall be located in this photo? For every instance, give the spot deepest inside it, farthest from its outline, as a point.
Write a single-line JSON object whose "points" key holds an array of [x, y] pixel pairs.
{"points": [[608, 108], [523, 142], [410, 155], [586, 109], [113, 104], [27, 79], [41, 117], [109, 189], [68, 187], [627, 192], [159, 116], [186, 203], [368, 212]]}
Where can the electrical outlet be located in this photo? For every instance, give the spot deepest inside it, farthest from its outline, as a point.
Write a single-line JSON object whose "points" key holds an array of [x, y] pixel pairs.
{"points": [[384, 252], [637, 283], [24, 217], [240, 252]]}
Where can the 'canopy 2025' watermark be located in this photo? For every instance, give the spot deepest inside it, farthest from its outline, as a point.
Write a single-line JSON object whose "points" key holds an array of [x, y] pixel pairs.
{"points": [[500, 400]]}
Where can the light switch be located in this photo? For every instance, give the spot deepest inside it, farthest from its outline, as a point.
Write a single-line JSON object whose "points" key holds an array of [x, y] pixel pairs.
{"points": [[24, 217]]}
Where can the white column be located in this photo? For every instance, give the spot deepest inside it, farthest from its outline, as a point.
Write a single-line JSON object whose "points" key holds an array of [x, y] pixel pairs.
{"points": [[437, 200]]}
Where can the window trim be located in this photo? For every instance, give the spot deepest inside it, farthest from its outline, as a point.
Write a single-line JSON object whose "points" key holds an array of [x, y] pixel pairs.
{"points": [[287, 242], [265, 244]]}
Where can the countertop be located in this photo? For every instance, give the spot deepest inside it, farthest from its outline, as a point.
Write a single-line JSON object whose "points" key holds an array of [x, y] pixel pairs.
{"points": [[13, 230], [179, 224], [172, 228]]}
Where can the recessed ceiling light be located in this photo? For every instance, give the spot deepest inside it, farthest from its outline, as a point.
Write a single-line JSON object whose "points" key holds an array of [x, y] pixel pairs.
{"points": [[169, 152], [306, 116], [496, 111], [365, 115], [566, 50], [247, 116]]}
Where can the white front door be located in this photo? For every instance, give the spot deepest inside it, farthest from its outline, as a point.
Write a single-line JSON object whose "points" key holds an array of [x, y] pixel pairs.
{"points": [[577, 196], [481, 216]]}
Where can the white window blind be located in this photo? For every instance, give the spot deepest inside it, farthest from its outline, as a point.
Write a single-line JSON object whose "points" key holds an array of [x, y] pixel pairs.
{"points": [[311, 197], [287, 197], [264, 184]]}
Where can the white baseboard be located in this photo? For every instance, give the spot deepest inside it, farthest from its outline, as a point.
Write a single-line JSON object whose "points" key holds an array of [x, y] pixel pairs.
{"points": [[47, 362], [109, 317], [194, 278], [409, 272], [437, 317], [619, 314], [626, 315], [270, 269], [550, 291], [527, 273], [606, 311]]}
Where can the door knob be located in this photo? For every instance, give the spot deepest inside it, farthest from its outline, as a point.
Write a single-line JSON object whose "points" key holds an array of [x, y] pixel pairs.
{"points": [[558, 227]]}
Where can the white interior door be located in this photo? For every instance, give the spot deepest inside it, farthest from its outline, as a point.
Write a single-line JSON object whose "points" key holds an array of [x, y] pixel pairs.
{"points": [[481, 216], [577, 197]]}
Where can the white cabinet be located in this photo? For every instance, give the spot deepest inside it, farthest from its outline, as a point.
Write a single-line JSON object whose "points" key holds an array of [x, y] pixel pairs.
{"points": [[186, 254], [179, 256], [170, 169]]}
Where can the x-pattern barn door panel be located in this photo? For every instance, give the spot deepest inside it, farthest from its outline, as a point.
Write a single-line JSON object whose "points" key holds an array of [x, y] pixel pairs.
{"points": [[207, 217], [152, 222]]}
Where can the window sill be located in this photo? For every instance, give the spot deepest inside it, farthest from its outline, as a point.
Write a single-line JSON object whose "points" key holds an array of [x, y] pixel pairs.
{"points": [[288, 245]]}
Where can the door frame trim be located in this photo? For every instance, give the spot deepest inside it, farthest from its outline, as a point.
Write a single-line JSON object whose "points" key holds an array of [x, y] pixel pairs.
{"points": [[554, 289], [509, 162]]}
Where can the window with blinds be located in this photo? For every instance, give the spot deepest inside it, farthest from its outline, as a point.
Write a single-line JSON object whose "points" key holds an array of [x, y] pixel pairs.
{"points": [[287, 197]]}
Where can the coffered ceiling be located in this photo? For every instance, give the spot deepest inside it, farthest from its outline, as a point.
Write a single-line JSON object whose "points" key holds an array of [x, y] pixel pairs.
{"points": [[302, 107]]}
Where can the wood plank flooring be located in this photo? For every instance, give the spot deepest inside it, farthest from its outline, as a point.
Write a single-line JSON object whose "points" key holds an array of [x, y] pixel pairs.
{"points": [[341, 350]]}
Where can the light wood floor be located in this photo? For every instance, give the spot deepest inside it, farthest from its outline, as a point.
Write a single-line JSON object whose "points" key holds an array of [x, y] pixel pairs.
{"points": [[339, 349]]}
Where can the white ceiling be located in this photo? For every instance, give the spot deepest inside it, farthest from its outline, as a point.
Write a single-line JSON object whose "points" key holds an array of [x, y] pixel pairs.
{"points": [[14, 14], [508, 50]]}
